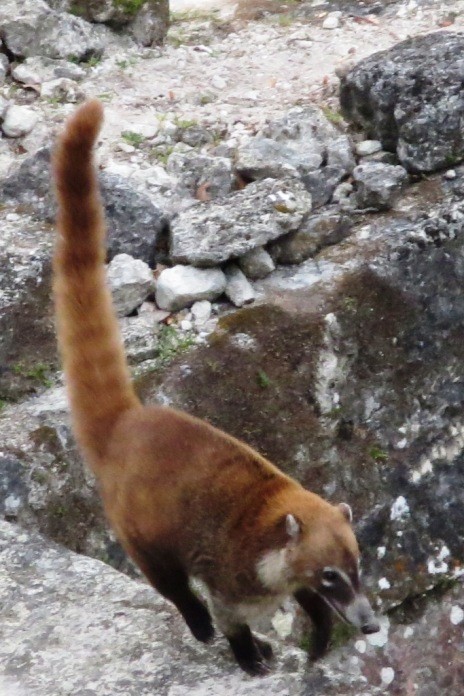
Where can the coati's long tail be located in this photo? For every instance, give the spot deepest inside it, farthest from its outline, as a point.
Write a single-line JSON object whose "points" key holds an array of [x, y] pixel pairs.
{"points": [[94, 363]]}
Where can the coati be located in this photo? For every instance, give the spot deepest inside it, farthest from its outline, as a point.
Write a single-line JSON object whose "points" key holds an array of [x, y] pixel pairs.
{"points": [[185, 499]]}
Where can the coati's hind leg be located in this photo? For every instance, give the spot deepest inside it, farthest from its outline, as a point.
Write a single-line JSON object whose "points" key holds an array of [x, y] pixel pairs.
{"points": [[321, 616], [166, 574]]}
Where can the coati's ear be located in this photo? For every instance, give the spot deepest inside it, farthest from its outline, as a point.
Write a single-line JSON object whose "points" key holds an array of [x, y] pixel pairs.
{"points": [[292, 527], [347, 512]]}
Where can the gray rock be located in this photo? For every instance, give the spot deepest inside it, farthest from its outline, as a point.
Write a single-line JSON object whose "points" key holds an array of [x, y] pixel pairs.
{"points": [[378, 185], [410, 98], [316, 232], [18, 121], [199, 174], [62, 89], [238, 289], [342, 192], [136, 226], [201, 312], [207, 235], [256, 263], [150, 25], [368, 147], [131, 281], [181, 286], [303, 143], [31, 28], [38, 69], [4, 66]]}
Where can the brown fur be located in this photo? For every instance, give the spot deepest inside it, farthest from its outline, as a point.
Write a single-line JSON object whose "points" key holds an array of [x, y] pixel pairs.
{"points": [[184, 498]]}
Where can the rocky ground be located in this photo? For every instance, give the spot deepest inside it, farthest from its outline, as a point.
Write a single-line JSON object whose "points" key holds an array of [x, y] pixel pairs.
{"points": [[286, 235]]}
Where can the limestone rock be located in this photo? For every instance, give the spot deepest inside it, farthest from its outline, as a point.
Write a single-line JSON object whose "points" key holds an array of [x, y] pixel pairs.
{"points": [[201, 175], [410, 98], [304, 143], [32, 28], [316, 232], [256, 263], [18, 121], [207, 235], [238, 289], [131, 282], [62, 89], [378, 185], [181, 286]]}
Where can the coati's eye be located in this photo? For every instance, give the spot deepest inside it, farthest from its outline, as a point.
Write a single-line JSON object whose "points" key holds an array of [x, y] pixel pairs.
{"points": [[329, 576]]}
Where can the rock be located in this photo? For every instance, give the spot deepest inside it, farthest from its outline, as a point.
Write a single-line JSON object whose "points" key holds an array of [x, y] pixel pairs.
{"points": [[332, 21], [136, 226], [32, 28], [378, 185], [304, 143], [342, 192], [38, 69], [27, 335], [18, 121], [63, 90], [256, 263], [316, 232], [201, 312], [368, 147], [151, 23], [201, 176], [238, 289], [181, 286], [410, 98], [210, 234], [131, 281], [4, 104]]}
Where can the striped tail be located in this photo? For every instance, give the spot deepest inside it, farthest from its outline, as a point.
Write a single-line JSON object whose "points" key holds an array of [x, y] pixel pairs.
{"points": [[93, 357]]}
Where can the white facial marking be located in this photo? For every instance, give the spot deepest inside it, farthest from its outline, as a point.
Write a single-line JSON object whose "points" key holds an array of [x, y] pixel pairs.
{"points": [[272, 569], [292, 526]]}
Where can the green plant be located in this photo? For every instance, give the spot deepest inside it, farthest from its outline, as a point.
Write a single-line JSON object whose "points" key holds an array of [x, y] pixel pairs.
{"points": [[263, 380], [130, 7], [185, 123], [332, 116], [132, 138], [39, 373], [378, 454], [171, 343]]}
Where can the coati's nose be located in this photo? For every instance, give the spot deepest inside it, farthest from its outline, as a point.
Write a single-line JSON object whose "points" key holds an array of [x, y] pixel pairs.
{"points": [[371, 627]]}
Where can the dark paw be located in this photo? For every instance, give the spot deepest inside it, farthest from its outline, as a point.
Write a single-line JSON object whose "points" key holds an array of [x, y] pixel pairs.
{"points": [[256, 668], [264, 648]]}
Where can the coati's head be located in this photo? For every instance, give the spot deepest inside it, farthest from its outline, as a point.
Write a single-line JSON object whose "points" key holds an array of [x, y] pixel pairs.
{"points": [[318, 551]]}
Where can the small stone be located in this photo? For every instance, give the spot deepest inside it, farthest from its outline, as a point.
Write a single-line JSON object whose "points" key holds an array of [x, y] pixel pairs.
{"points": [[368, 147], [145, 130], [131, 282], [181, 286], [378, 185], [4, 66], [63, 90], [451, 174], [387, 675], [257, 263], [26, 74], [342, 192], [332, 21], [201, 312], [456, 615], [218, 82], [186, 325], [238, 289], [19, 121]]}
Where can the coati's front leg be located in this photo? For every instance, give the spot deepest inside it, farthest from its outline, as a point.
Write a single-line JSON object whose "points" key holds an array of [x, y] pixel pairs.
{"points": [[321, 616], [166, 574], [252, 653]]}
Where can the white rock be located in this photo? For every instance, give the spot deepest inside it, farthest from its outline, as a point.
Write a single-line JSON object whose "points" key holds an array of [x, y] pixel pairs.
{"points": [[456, 615], [450, 174], [186, 325], [218, 82], [201, 312], [19, 121], [131, 282], [238, 289], [368, 147], [399, 509], [145, 130], [387, 675], [342, 191], [181, 286], [332, 21], [27, 74]]}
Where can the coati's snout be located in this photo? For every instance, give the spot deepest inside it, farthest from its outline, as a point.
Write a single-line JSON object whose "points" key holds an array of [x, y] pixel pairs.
{"points": [[342, 595]]}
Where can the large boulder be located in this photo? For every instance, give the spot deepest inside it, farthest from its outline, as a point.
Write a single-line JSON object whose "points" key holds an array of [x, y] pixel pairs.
{"points": [[71, 624], [410, 98], [31, 28], [136, 225], [208, 234]]}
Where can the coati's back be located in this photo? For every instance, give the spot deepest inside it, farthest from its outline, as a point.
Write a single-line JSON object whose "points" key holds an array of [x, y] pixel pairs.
{"points": [[185, 498]]}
